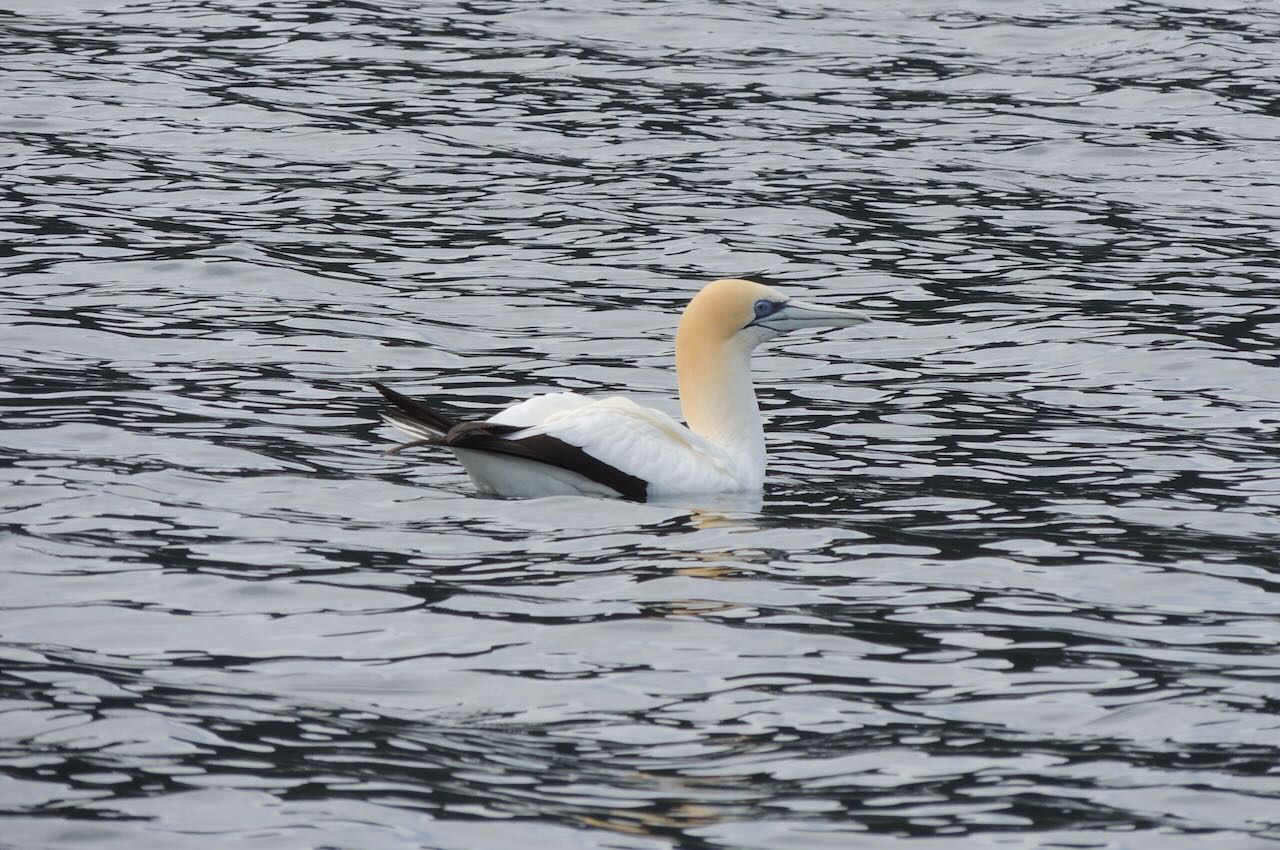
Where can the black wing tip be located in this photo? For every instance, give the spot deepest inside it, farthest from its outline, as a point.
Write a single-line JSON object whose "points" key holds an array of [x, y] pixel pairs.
{"points": [[387, 393], [417, 410]]}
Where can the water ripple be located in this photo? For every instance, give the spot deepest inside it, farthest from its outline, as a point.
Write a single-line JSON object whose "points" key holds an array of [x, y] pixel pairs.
{"points": [[1012, 579]]}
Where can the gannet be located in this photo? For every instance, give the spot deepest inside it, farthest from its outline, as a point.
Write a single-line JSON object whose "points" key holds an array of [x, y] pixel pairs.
{"points": [[564, 443]]}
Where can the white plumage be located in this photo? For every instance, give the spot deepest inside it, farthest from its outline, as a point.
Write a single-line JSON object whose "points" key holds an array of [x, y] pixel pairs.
{"points": [[565, 443], [641, 441]]}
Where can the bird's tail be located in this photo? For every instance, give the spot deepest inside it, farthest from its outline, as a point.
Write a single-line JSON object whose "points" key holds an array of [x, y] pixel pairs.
{"points": [[425, 424]]}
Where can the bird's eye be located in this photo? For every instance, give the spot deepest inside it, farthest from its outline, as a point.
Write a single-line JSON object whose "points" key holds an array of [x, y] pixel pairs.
{"points": [[763, 308]]}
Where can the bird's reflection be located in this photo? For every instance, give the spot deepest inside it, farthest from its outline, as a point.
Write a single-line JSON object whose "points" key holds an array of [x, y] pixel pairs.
{"points": [[719, 510]]}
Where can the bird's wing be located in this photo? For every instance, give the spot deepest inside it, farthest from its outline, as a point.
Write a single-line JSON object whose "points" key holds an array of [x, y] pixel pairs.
{"points": [[639, 441], [614, 442], [537, 410]]}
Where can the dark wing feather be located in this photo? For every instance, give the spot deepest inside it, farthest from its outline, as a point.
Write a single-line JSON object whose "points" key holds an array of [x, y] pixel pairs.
{"points": [[416, 411], [549, 450]]}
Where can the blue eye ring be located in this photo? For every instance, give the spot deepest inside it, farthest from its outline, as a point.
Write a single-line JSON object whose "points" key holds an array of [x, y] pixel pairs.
{"points": [[764, 307]]}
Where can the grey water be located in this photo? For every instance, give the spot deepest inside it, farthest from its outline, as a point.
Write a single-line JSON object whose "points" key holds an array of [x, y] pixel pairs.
{"points": [[1012, 581]]}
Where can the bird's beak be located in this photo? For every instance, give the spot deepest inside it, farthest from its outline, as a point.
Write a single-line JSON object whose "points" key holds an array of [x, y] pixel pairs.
{"points": [[798, 314]]}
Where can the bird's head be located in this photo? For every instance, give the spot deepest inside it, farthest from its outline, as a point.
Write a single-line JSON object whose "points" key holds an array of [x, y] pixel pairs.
{"points": [[745, 313]]}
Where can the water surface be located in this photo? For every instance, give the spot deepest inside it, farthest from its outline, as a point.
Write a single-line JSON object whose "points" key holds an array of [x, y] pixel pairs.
{"points": [[1012, 582]]}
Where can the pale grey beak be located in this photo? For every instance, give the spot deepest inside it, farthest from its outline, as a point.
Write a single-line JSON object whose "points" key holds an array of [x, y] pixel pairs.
{"points": [[798, 314]]}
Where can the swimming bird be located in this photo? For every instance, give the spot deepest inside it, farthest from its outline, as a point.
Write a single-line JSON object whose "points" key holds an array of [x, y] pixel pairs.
{"points": [[565, 443]]}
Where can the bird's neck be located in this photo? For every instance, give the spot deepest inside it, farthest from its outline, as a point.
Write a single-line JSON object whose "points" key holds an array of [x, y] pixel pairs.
{"points": [[719, 401]]}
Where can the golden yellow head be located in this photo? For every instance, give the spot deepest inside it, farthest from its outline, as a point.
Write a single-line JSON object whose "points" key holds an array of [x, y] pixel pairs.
{"points": [[749, 313], [724, 307]]}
